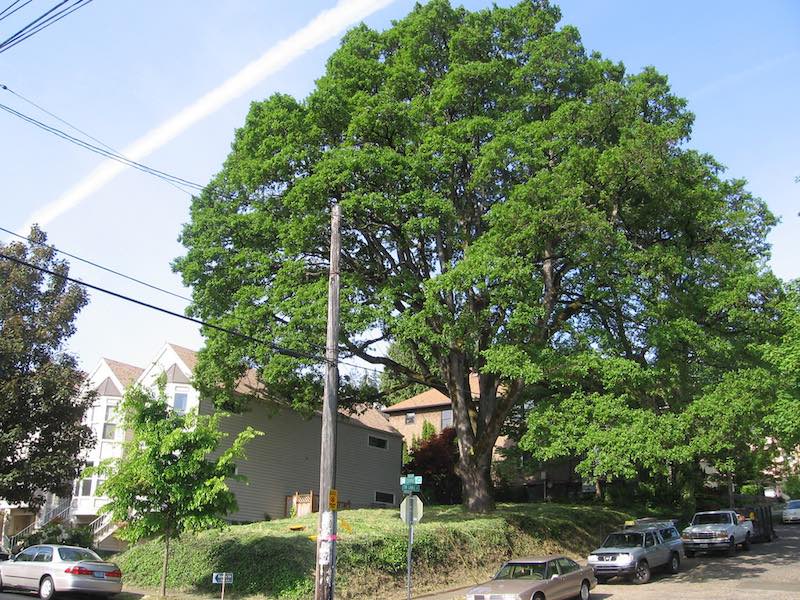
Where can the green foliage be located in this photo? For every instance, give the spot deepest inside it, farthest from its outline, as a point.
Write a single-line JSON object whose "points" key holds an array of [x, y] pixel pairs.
{"points": [[41, 435], [428, 430], [59, 533], [273, 562], [510, 203], [791, 486], [165, 483]]}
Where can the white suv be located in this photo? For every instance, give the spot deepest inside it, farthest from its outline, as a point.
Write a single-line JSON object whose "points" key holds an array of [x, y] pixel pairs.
{"points": [[791, 514]]}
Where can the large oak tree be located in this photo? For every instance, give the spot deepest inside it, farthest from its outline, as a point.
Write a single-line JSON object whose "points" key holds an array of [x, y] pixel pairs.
{"points": [[506, 195]]}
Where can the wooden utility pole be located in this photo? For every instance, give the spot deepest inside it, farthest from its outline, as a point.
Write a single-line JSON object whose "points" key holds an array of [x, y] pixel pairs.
{"points": [[326, 538]]}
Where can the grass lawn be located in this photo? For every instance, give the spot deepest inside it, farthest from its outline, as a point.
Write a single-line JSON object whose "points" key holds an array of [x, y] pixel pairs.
{"points": [[451, 547]]}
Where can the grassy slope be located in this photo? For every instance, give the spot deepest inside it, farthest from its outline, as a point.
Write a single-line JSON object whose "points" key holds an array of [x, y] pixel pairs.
{"points": [[450, 547]]}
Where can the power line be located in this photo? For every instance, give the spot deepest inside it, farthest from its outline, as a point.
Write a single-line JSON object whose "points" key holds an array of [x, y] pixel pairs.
{"points": [[272, 346], [5, 14], [278, 349], [42, 22], [172, 179], [96, 265]]}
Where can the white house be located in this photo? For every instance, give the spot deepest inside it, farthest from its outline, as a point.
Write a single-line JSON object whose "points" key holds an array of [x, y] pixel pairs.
{"points": [[279, 464]]}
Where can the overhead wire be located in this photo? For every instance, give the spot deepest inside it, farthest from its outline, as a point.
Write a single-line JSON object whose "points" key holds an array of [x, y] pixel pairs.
{"points": [[5, 14], [174, 181], [96, 265], [41, 23], [321, 358]]}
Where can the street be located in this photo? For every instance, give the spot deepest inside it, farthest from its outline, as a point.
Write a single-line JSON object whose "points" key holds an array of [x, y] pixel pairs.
{"points": [[769, 570]]}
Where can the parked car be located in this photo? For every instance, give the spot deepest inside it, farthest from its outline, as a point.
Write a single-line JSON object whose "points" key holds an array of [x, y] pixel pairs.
{"points": [[635, 552], [791, 514], [717, 530], [547, 577], [51, 569]]}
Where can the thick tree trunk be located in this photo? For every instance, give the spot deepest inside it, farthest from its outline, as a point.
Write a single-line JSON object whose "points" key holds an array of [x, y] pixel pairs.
{"points": [[476, 483], [165, 567]]}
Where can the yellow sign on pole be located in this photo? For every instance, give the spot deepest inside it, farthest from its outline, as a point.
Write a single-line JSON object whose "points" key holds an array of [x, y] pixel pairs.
{"points": [[333, 500]]}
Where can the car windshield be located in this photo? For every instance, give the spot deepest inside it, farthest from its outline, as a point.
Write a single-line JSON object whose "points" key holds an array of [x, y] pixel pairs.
{"points": [[532, 570], [711, 519], [624, 540], [77, 554], [793, 504]]}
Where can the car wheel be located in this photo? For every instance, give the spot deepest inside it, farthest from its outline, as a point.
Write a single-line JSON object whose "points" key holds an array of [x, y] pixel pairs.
{"points": [[584, 593], [674, 563], [746, 543], [642, 573], [731, 550], [46, 588], [538, 596], [689, 553]]}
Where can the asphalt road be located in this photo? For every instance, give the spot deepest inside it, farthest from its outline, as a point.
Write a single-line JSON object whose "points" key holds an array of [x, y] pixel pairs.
{"points": [[770, 571]]}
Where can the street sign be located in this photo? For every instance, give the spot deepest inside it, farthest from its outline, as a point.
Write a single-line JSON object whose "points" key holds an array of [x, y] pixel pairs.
{"points": [[222, 578], [411, 510], [410, 483], [333, 500]]}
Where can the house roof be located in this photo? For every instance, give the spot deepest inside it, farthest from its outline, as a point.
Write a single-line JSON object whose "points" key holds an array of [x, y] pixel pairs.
{"points": [[188, 356], [430, 398], [250, 384], [125, 373]]}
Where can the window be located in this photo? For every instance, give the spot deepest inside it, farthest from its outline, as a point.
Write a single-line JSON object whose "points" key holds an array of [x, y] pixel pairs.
{"points": [[86, 487], [410, 418], [181, 400], [669, 533], [109, 431], [447, 418], [377, 442], [384, 497], [27, 554], [566, 565], [44, 554], [650, 540], [110, 410], [77, 555]]}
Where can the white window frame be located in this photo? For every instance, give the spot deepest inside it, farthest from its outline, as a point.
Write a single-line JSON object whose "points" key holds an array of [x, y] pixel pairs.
{"points": [[185, 392], [413, 418]]}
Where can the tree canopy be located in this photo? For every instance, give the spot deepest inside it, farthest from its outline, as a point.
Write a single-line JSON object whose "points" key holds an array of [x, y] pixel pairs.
{"points": [[514, 206], [42, 402]]}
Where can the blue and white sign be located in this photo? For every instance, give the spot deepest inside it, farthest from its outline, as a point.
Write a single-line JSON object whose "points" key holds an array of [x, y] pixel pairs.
{"points": [[222, 578]]}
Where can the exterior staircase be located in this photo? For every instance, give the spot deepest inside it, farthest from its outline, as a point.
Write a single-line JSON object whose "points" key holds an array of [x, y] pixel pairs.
{"points": [[60, 512], [102, 527]]}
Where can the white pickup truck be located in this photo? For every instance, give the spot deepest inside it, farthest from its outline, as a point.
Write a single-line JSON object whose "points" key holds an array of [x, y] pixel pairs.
{"points": [[717, 530]]}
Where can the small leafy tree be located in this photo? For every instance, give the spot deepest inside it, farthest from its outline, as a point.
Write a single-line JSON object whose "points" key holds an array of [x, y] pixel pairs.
{"points": [[165, 483], [41, 399], [428, 430]]}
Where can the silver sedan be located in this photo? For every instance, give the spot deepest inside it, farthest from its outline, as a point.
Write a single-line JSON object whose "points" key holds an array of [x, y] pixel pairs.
{"points": [[50, 569]]}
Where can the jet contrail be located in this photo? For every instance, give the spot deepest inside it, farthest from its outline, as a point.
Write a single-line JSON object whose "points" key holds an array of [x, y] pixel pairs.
{"points": [[323, 27]]}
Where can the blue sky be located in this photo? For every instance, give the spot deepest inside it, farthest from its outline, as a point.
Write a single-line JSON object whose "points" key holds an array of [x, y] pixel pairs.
{"points": [[120, 68]]}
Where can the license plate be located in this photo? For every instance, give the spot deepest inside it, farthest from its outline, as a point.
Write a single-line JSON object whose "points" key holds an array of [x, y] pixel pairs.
{"points": [[702, 545], [100, 574]]}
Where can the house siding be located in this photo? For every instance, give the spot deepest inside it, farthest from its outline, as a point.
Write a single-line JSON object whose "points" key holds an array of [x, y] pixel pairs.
{"points": [[285, 460], [413, 430]]}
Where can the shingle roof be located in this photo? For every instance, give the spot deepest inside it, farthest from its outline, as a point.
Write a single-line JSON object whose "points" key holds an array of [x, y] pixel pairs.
{"points": [[127, 374], [430, 398], [189, 357], [250, 384]]}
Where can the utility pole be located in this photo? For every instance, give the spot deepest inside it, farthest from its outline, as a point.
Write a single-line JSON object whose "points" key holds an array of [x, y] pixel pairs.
{"points": [[326, 538]]}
